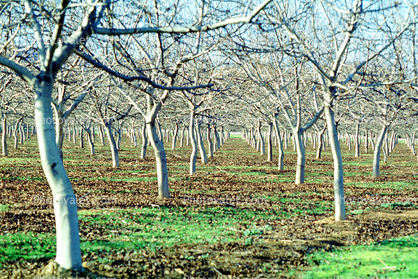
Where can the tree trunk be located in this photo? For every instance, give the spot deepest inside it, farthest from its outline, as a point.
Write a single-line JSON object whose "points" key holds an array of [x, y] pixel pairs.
{"points": [[91, 143], [392, 141], [216, 144], [4, 137], [338, 164], [119, 134], [101, 132], [15, 131], [366, 142], [68, 253], [134, 140], [59, 131], [193, 155], [261, 140], [286, 142], [27, 132], [160, 158], [22, 133], [182, 137], [320, 143], [81, 138], [357, 141], [280, 145], [269, 143], [74, 135], [160, 132], [300, 149], [176, 130], [112, 143], [376, 157], [144, 141], [202, 150]]}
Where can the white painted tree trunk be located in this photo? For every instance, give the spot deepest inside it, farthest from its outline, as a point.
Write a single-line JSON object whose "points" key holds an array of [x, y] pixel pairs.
{"points": [[193, 142], [93, 132], [74, 135], [280, 145], [300, 149], [261, 140], [4, 136], [372, 141], [202, 150], [357, 140], [119, 134], [182, 137], [59, 131], [91, 142], [22, 133], [366, 142], [218, 140], [338, 164], [412, 143], [378, 146], [269, 143], [65, 206], [112, 143], [286, 142], [160, 131], [320, 143], [102, 136], [144, 141], [176, 130], [393, 141], [209, 139], [15, 134], [160, 158], [81, 138]]}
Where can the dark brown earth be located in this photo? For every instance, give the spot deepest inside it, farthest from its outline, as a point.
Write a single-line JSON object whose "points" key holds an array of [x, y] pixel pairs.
{"points": [[285, 246]]}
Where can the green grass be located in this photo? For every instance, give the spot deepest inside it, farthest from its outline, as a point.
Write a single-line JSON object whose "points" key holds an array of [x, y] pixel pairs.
{"points": [[153, 227], [26, 246], [136, 229], [387, 259]]}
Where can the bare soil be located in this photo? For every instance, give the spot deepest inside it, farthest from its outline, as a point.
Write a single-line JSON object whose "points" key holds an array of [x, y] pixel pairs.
{"points": [[286, 245]]}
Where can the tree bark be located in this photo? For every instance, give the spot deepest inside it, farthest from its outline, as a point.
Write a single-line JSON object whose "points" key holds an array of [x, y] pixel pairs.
{"points": [[209, 139], [320, 143], [338, 163], [357, 140], [261, 140], [112, 143], [144, 141], [182, 137], [280, 145], [15, 132], [4, 136], [59, 131], [202, 150], [91, 143], [269, 143], [366, 142], [300, 149], [81, 138], [65, 205], [376, 157], [160, 158], [193, 155], [176, 130]]}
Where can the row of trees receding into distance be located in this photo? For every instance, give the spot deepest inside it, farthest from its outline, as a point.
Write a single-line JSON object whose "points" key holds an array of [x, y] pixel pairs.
{"points": [[310, 72]]}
